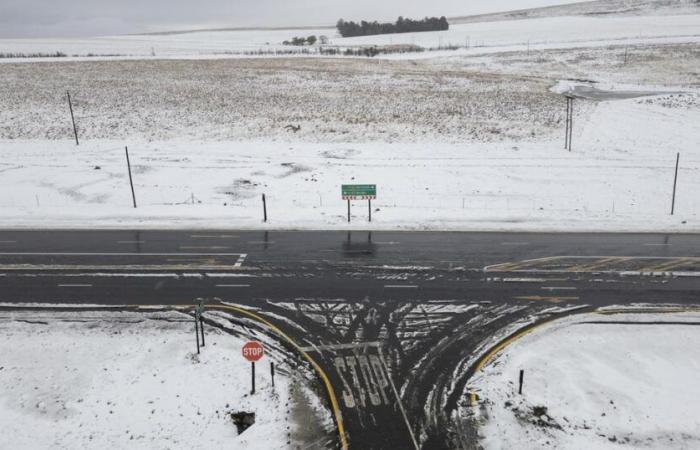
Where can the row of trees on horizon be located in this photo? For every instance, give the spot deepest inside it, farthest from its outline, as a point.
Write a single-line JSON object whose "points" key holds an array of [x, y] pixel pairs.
{"points": [[364, 28]]}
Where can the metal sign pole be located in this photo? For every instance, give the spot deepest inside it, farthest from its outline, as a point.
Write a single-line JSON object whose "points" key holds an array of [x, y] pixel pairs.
{"points": [[369, 208], [252, 377], [348, 210]]}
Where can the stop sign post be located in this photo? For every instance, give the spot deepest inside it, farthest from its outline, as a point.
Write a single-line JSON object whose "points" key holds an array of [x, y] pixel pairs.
{"points": [[253, 351]]}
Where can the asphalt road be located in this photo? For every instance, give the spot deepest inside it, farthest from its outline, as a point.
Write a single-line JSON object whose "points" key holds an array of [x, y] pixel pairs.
{"points": [[395, 319]]}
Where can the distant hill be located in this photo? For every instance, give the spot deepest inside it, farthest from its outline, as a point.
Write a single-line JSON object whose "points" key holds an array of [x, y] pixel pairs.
{"points": [[597, 7]]}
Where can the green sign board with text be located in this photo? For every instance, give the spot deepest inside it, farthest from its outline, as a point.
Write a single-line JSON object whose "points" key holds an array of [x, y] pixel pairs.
{"points": [[359, 191]]}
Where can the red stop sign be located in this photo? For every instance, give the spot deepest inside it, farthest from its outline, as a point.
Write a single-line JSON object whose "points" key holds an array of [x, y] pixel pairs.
{"points": [[253, 351]]}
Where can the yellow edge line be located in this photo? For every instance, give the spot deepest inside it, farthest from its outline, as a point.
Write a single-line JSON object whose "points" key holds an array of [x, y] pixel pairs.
{"points": [[326, 381], [489, 356], [666, 265], [319, 370]]}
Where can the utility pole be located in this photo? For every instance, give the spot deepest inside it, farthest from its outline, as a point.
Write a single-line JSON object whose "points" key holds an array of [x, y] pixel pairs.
{"points": [[569, 122], [131, 181], [675, 179], [72, 118]]}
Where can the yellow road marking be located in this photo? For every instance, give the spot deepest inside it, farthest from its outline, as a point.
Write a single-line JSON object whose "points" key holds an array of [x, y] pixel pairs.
{"points": [[595, 265], [324, 377], [551, 299], [319, 370], [489, 356], [668, 265], [518, 265]]}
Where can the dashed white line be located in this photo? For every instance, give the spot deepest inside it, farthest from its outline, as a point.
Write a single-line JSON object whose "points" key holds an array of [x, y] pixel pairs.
{"points": [[400, 286], [558, 288], [515, 243], [657, 245], [207, 236], [261, 242], [233, 285], [8, 242], [203, 247], [74, 285]]}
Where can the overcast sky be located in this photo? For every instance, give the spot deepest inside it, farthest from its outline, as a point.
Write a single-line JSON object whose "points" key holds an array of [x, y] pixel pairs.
{"points": [[46, 18]]}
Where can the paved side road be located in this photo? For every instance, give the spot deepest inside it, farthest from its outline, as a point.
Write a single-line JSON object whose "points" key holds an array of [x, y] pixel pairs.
{"points": [[395, 319]]}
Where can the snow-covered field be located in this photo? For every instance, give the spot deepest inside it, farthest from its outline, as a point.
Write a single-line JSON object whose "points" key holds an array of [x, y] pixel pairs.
{"points": [[477, 38], [596, 385], [619, 177], [126, 380], [458, 141]]}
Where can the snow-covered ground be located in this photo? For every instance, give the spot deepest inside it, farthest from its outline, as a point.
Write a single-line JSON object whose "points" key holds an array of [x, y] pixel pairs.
{"points": [[125, 380], [457, 141], [619, 177], [477, 38], [604, 385]]}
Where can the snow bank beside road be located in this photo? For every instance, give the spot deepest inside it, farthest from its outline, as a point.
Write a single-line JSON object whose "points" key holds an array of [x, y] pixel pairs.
{"points": [[604, 385], [119, 380]]}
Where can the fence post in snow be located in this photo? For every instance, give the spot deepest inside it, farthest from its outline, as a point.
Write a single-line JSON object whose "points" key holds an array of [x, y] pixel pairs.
{"points": [[72, 118], [264, 208], [520, 383], [131, 181], [675, 179]]}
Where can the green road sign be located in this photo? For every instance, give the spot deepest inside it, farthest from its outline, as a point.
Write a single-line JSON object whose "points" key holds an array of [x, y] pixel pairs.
{"points": [[359, 191]]}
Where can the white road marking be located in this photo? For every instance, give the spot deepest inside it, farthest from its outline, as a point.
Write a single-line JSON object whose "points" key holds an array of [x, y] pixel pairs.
{"points": [[399, 286], [74, 285], [203, 247], [261, 242], [208, 236], [398, 399], [233, 285], [319, 348], [515, 243], [386, 243], [654, 245], [116, 254], [8, 242], [241, 258], [558, 288], [131, 242], [523, 280]]}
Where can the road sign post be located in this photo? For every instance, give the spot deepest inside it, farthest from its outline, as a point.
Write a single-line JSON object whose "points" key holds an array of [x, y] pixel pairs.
{"points": [[359, 192], [196, 333], [252, 351]]}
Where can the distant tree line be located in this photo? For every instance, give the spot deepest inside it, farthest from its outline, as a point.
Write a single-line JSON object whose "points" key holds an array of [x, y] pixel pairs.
{"points": [[311, 40], [364, 28]]}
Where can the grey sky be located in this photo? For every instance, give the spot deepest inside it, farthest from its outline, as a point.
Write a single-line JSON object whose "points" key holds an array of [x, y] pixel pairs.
{"points": [[42, 18]]}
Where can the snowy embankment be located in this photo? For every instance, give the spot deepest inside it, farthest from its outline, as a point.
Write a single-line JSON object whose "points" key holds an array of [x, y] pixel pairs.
{"points": [[125, 380], [629, 381], [473, 38], [619, 176]]}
